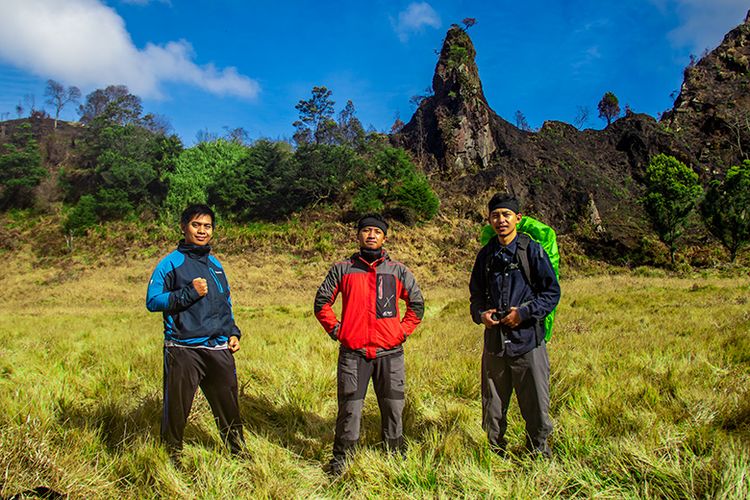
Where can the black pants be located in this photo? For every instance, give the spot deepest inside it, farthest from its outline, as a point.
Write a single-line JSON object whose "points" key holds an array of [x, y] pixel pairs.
{"points": [[353, 375], [528, 374], [214, 371]]}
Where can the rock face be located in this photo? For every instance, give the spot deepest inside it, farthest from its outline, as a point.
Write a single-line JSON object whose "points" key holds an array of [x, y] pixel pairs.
{"points": [[584, 181], [453, 131], [712, 112]]}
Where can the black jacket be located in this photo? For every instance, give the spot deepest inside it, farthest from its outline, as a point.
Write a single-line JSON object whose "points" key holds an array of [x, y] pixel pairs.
{"points": [[498, 283]]}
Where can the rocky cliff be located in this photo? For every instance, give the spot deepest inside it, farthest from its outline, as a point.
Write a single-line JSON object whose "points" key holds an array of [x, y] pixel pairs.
{"points": [[712, 112], [582, 181]]}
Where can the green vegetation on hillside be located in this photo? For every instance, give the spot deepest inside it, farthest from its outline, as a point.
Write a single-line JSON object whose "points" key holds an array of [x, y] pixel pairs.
{"points": [[726, 208], [672, 192], [125, 166], [20, 169]]}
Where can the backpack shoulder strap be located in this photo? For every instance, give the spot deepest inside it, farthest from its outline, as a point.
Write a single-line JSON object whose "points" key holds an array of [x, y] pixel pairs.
{"points": [[522, 251]]}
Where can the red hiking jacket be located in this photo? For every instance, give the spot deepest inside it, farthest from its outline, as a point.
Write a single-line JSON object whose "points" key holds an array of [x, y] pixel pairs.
{"points": [[370, 318]]}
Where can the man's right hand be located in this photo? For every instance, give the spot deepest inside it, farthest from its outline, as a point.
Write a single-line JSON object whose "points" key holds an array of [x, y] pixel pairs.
{"points": [[200, 286], [487, 320]]}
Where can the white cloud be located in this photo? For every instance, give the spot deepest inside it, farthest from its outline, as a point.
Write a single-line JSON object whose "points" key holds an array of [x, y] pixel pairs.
{"points": [[703, 23], [414, 19], [85, 43], [145, 2]]}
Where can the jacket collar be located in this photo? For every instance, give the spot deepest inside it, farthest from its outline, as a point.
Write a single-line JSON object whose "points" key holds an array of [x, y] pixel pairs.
{"points": [[385, 257], [193, 251]]}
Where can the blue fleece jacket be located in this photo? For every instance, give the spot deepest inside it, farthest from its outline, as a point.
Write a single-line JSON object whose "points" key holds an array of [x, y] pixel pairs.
{"points": [[190, 319]]}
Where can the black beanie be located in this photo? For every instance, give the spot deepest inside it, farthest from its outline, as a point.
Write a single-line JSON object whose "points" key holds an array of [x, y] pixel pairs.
{"points": [[504, 200], [373, 220]]}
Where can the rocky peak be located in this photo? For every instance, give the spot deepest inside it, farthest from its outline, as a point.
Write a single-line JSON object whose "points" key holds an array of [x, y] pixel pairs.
{"points": [[454, 131], [456, 72]]}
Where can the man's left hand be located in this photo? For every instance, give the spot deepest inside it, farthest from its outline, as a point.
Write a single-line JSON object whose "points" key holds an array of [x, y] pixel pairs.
{"points": [[234, 344], [513, 319]]}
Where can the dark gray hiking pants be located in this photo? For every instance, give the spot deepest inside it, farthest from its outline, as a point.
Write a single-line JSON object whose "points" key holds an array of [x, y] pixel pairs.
{"points": [[528, 374], [186, 369], [353, 375]]}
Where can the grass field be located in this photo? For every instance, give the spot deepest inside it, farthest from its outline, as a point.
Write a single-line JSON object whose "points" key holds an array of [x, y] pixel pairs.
{"points": [[650, 391]]}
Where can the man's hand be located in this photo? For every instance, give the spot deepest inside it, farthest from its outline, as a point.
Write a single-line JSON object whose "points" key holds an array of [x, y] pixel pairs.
{"points": [[513, 319], [200, 286], [487, 320], [233, 344]]}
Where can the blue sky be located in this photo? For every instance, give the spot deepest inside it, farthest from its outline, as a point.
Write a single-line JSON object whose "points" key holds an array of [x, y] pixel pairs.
{"points": [[207, 65]]}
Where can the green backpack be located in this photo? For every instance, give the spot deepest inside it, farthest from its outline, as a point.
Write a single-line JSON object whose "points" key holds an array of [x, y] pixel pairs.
{"points": [[547, 238]]}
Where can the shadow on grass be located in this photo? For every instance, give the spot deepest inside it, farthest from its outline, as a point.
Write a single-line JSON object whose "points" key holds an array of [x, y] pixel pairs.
{"points": [[303, 432], [119, 427]]}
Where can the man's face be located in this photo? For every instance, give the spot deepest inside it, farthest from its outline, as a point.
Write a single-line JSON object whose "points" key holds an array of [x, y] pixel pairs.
{"points": [[199, 230], [370, 237], [504, 221]]}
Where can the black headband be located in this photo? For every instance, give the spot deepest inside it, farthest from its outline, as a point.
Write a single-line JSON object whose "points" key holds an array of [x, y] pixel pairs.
{"points": [[374, 222], [504, 202]]}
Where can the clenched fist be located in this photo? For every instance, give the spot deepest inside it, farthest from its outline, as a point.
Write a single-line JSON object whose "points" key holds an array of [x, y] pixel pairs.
{"points": [[200, 286]]}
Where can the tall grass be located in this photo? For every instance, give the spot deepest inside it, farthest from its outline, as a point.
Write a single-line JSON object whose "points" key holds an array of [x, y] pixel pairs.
{"points": [[650, 378]]}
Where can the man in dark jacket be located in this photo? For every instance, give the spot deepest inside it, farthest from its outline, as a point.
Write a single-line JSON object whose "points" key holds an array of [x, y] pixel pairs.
{"points": [[200, 336], [513, 311], [371, 333]]}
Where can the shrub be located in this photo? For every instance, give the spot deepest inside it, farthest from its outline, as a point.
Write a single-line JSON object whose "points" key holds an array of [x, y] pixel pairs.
{"points": [[415, 194], [20, 169], [726, 208], [197, 169], [368, 199], [672, 191], [81, 217]]}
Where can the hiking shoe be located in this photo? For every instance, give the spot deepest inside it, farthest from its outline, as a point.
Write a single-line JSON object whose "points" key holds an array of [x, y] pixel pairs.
{"points": [[336, 468]]}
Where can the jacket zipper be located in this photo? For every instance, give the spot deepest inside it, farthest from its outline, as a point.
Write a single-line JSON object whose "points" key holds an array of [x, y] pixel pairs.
{"points": [[216, 279]]}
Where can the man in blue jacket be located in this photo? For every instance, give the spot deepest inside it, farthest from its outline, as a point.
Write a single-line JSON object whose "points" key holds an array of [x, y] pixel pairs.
{"points": [[200, 336], [512, 310]]}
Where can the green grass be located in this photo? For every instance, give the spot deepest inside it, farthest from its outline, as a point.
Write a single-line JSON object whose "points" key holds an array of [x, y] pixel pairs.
{"points": [[650, 377]]}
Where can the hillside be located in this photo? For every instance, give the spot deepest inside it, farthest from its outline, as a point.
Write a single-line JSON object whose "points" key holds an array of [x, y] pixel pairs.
{"points": [[584, 181]]}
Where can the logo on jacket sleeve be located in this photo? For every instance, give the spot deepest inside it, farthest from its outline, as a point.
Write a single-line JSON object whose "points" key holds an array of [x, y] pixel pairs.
{"points": [[386, 296]]}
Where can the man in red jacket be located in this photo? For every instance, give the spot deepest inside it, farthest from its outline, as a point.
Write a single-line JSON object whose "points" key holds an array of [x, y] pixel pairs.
{"points": [[371, 333]]}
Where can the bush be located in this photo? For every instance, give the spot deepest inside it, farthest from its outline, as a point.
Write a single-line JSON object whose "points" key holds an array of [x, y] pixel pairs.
{"points": [[726, 208], [81, 217], [197, 169], [394, 181], [20, 169], [368, 199], [672, 191], [416, 194], [256, 186]]}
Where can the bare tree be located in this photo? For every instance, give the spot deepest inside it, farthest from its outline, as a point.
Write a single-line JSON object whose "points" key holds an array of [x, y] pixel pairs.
{"points": [[58, 96], [738, 122], [19, 109], [156, 123], [30, 101], [582, 117], [416, 100], [204, 135], [398, 124], [237, 135], [521, 121]]}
